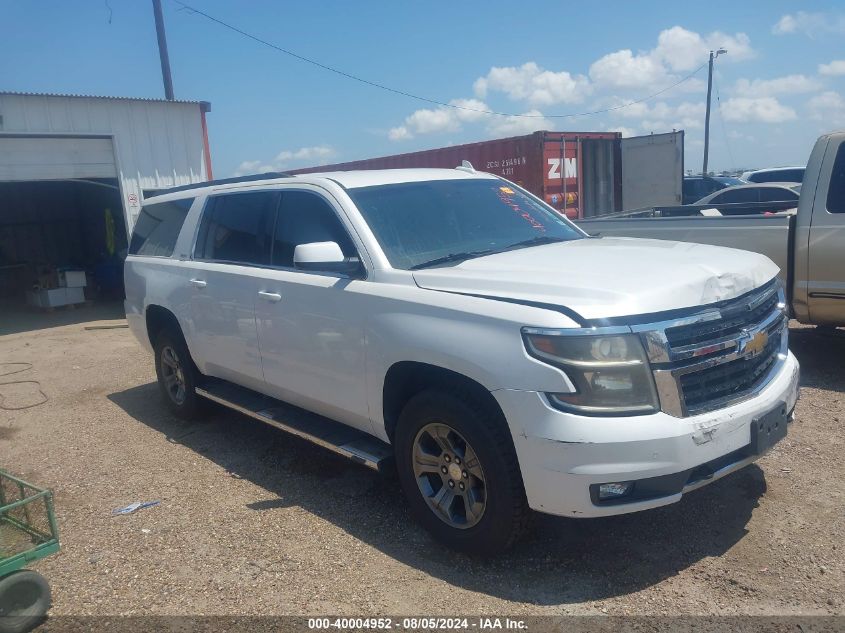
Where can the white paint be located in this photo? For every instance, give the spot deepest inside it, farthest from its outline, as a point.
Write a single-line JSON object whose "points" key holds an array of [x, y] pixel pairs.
{"points": [[570, 168], [586, 275], [55, 158], [317, 252]]}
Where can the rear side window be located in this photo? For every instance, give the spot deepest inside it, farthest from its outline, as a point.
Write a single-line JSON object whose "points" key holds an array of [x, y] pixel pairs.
{"points": [[236, 228], [836, 189], [158, 226], [305, 217], [775, 194], [778, 175], [746, 194]]}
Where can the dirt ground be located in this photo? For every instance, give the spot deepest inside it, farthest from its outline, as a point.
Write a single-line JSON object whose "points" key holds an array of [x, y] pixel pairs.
{"points": [[254, 521]]}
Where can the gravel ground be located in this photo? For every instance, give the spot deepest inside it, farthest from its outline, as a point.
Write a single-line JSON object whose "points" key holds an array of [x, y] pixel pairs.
{"points": [[253, 521]]}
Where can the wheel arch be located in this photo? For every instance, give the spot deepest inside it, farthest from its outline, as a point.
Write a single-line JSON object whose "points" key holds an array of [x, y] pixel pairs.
{"points": [[405, 379], [157, 318]]}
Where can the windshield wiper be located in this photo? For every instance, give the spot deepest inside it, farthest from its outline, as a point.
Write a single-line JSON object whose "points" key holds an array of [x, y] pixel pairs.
{"points": [[536, 241], [451, 257]]}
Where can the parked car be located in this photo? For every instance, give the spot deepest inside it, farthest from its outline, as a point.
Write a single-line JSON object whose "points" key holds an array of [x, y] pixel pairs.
{"points": [[451, 321], [807, 246], [696, 187], [775, 174], [744, 194]]}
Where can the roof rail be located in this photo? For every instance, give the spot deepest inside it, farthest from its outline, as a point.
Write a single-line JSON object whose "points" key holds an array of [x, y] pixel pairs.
{"points": [[226, 181]]}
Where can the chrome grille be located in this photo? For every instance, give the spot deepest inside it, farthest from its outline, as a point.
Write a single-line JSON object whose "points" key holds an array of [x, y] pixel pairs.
{"points": [[734, 317], [728, 380], [720, 355]]}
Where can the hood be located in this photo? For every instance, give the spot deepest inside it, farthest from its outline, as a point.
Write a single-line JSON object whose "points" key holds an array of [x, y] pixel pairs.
{"points": [[601, 278]]}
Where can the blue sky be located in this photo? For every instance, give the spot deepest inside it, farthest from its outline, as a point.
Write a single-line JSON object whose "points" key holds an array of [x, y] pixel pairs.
{"points": [[781, 84]]}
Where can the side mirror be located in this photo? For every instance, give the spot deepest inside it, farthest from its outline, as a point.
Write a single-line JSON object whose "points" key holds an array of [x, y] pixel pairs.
{"points": [[324, 257]]}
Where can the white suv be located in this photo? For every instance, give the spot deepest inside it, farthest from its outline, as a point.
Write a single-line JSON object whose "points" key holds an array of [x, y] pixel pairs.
{"points": [[451, 323]]}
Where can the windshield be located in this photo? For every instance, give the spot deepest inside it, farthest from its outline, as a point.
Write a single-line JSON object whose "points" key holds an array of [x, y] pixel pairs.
{"points": [[442, 222]]}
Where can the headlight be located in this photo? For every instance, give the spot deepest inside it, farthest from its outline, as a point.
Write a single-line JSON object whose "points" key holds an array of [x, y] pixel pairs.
{"points": [[610, 373]]}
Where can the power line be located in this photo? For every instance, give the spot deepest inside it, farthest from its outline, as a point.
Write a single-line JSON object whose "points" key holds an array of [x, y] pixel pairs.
{"points": [[402, 93]]}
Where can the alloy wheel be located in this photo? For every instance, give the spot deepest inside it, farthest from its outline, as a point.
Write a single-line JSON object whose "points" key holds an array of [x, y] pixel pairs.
{"points": [[449, 475], [173, 374]]}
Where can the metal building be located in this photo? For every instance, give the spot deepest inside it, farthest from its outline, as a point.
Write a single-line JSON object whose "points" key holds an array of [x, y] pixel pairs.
{"points": [[74, 171]]}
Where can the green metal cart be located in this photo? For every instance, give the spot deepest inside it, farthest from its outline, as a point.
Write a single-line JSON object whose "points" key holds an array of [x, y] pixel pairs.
{"points": [[27, 532]]}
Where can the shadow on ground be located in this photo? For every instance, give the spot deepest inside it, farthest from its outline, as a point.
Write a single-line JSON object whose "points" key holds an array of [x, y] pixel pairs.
{"points": [[17, 317], [820, 352], [560, 560]]}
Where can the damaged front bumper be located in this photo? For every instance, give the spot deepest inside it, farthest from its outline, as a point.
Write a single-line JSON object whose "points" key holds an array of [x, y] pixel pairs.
{"points": [[565, 457]]}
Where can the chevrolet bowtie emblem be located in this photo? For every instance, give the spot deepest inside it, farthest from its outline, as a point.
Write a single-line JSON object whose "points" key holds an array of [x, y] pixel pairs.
{"points": [[753, 345]]}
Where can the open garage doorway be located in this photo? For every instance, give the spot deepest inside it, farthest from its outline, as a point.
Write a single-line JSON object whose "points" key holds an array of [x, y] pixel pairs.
{"points": [[63, 232]]}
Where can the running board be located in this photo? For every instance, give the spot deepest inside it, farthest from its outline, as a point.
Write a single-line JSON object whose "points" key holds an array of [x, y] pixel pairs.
{"points": [[353, 444]]}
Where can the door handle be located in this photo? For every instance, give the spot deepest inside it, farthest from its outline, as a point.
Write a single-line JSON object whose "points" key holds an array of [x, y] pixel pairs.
{"points": [[198, 283], [272, 297]]}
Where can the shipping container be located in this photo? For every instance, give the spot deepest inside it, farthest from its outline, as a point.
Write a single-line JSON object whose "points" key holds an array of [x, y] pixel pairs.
{"points": [[583, 174]]}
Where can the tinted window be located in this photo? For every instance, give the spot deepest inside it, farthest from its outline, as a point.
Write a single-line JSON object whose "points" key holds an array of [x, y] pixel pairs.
{"points": [[418, 223], [779, 175], [774, 194], [746, 194], [693, 189], [236, 227], [158, 226], [711, 186], [305, 217], [836, 189]]}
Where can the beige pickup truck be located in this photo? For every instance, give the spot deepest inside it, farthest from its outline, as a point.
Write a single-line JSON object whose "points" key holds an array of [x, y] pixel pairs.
{"points": [[807, 245]]}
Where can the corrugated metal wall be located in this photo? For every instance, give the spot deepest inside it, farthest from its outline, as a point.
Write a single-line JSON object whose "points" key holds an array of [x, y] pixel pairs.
{"points": [[157, 144]]}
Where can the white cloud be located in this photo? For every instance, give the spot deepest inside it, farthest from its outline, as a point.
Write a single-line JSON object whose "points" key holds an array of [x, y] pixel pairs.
{"points": [[790, 84], [516, 125], [533, 84], [441, 119], [305, 154], [834, 68], [677, 50], [249, 167], [662, 117], [400, 133], [809, 24], [756, 109], [287, 159], [470, 110], [683, 50], [623, 69], [624, 131], [426, 121], [828, 107], [624, 73]]}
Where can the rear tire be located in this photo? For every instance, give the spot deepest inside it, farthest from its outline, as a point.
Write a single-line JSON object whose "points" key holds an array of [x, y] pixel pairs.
{"points": [[458, 468], [24, 601], [177, 375]]}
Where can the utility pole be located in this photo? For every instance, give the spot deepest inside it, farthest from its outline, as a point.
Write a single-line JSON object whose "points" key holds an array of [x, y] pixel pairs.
{"points": [[707, 113], [165, 60]]}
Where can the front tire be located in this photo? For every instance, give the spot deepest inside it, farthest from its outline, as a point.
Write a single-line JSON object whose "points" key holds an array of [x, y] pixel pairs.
{"points": [[24, 601], [177, 375], [459, 471]]}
